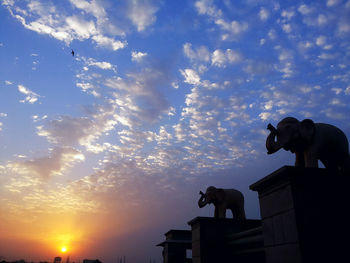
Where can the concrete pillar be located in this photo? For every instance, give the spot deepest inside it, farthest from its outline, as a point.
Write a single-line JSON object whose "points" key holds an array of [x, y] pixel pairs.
{"points": [[304, 215], [175, 245], [210, 237]]}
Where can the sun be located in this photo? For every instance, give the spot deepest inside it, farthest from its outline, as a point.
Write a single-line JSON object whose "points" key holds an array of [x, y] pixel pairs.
{"points": [[63, 249]]}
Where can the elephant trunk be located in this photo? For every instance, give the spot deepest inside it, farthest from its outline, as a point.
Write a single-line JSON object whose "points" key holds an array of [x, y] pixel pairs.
{"points": [[202, 200], [271, 145]]}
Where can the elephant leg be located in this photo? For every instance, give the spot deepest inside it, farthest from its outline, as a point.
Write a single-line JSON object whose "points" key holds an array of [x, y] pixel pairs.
{"points": [[216, 212], [299, 159], [222, 212], [238, 213], [310, 159], [241, 213]]}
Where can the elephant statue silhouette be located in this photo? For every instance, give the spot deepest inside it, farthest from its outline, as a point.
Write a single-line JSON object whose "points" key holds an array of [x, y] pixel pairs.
{"points": [[310, 142], [223, 199]]}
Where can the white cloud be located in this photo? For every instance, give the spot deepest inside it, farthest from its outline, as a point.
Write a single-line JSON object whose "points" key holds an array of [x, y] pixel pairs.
{"points": [[287, 14], [139, 97], [44, 18], [206, 7], [175, 85], [332, 2], [321, 40], [326, 56], [2, 115], [81, 28], [322, 20], [99, 64], [305, 10], [235, 28], [272, 34], [88, 88], [58, 161], [287, 28], [142, 13], [264, 14], [337, 91], [108, 42], [191, 76], [84, 131], [221, 58], [137, 56], [92, 7], [31, 97], [200, 54], [347, 90], [343, 28], [265, 115]]}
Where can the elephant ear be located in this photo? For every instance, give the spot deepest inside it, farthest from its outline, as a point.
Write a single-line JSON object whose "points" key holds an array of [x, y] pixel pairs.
{"points": [[307, 130], [220, 195]]}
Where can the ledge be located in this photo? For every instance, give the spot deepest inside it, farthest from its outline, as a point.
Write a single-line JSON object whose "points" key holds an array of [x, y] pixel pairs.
{"points": [[295, 174]]}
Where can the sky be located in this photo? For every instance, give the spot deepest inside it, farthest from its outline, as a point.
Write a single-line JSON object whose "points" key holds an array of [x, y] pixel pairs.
{"points": [[105, 151]]}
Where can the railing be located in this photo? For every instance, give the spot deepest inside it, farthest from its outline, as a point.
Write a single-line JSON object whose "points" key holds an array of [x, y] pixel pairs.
{"points": [[247, 246]]}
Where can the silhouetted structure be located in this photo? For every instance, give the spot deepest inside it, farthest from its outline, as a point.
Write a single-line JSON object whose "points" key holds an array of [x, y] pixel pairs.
{"points": [[91, 261], [223, 199], [57, 260], [304, 214], [216, 240], [310, 142], [176, 243], [304, 219]]}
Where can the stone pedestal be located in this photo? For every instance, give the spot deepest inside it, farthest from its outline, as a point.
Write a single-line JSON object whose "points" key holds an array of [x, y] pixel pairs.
{"points": [[210, 237], [175, 245], [304, 215]]}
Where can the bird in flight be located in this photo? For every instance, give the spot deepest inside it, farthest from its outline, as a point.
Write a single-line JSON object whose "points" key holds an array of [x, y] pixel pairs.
{"points": [[72, 52]]}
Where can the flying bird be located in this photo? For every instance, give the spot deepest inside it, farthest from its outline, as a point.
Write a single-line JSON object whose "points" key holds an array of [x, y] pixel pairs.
{"points": [[72, 52]]}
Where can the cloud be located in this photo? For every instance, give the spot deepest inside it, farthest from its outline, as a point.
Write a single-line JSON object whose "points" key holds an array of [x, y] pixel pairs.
{"points": [[84, 131], [264, 14], [45, 18], [108, 42], [142, 13], [92, 7], [81, 28], [59, 160], [206, 7], [288, 14], [138, 97], [99, 64], [31, 97], [331, 3], [304, 9], [221, 58], [347, 90], [191, 76], [287, 28], [137, 56], [199, 54], [233, 28]]}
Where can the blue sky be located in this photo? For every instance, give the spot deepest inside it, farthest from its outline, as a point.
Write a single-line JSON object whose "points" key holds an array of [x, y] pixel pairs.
{"points": [[161, 100]]}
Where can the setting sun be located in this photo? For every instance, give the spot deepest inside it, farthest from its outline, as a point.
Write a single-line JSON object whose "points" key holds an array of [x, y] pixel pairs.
{"points": [[63, 249]]}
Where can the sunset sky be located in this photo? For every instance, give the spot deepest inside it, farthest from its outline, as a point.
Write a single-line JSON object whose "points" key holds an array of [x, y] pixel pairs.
{"points": [[105, 151]]}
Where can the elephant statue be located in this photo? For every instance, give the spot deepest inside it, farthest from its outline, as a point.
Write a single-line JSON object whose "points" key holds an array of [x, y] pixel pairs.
{"points": [[223, 199], [310, 142]]}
